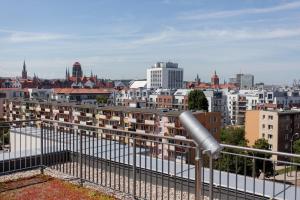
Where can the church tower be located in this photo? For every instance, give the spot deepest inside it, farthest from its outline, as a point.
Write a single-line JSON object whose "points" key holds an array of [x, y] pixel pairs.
{"points": [[215, 79], [24, 71]]}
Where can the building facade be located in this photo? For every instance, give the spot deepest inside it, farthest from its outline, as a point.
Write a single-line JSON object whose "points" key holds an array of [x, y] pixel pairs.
{"points": [[246, 81], [165, 75], [147, 121], [278, 127]]}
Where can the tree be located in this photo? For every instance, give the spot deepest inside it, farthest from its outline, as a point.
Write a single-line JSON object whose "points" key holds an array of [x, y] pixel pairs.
{"points": [[229, 161], [197, 100], [296, 148], [234, 136], [4, 135], [102, 99], [261, 164]]}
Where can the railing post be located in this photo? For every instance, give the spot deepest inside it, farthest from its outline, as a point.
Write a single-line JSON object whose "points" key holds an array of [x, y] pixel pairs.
{"points": [[211, 176], [198, 174], [42, 149], [134, 167], [80, 157]]}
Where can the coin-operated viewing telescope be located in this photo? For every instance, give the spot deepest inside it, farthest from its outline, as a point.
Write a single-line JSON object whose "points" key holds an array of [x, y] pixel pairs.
{"points": [[200, 134]]}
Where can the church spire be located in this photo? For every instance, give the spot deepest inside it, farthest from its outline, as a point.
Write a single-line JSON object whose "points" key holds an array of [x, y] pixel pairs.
{"points": [[24, 71]]}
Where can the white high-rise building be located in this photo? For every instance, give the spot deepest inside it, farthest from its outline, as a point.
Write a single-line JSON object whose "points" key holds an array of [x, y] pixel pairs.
{"points": [[165, 75]]}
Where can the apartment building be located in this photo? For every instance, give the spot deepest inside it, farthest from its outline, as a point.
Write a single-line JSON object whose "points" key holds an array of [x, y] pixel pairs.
{"points": [[147, 121], [279, 99], [165, 75], [171, 99], [278, 127], [243, 81], [82, 95], [161, 98], [236, 105]]}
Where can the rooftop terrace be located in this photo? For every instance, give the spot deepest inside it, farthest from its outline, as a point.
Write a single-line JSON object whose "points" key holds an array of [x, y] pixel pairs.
{"points": [[144, 167]]}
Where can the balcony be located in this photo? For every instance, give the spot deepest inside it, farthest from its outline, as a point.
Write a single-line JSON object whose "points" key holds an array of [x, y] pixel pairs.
{"points": [[115, 118], [66, 112], [108, 126], [82, 123], [171, 125], [150, 122], [132, 165], [132, 120], [89, 114], [140, 131], [55, 111], [76, 113], [102, 116]]}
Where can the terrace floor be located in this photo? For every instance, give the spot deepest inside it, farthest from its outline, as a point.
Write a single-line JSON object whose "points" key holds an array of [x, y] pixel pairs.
{"points": [[42, 187]]}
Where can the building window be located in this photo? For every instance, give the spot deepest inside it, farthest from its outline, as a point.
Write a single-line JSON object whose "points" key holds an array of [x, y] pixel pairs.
{"points": [[270, 127], [270, 146], [270, 136], [286, 136], [263, 135], [264, 116], [270, 117], [263, 126]]}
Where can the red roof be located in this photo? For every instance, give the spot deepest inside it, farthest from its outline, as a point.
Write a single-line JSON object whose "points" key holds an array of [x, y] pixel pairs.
{"points": [[13, 89], [81, 91]]}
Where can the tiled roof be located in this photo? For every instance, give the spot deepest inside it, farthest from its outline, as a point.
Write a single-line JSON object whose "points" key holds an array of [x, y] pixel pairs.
{"points": [[13, 89], [81, 91]]}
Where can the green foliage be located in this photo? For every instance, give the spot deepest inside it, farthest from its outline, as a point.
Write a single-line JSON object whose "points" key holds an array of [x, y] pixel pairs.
{"points": [[296, 148], [261, 144], [235, 164], [102, 99], [197, 100], [261, 165], [234, 136], [4, 136], [228, 161], [245, 162]]}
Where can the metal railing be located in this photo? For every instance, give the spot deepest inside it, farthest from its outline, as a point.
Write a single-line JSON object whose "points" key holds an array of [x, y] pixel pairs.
{"points": [[147, 166], [19, 151]]}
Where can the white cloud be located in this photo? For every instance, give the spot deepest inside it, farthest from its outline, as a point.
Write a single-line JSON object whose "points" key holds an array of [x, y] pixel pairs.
{"points": [[233, 13], [173, 36], [34, 37], [23, 37]]}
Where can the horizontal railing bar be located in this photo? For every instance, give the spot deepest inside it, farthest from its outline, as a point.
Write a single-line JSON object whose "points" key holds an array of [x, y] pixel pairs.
{"points": [[261, 151], [19, 121], [116, 130]]}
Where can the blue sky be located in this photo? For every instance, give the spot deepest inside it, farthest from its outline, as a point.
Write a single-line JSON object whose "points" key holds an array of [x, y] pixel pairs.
{"points": [[120, 39]]}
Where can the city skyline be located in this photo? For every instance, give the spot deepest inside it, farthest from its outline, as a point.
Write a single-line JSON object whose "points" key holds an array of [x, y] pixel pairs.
{"points": [[111, 37]]}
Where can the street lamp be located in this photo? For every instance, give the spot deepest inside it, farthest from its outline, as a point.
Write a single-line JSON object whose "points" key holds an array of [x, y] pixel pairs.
{"points": [[292, 141]]}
